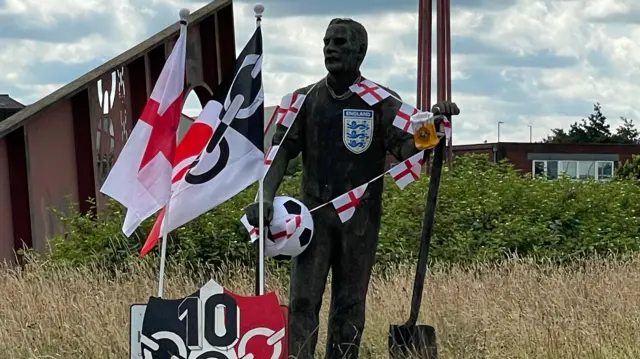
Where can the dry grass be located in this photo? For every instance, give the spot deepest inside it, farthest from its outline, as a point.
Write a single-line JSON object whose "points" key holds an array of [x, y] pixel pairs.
{"points": [[512, 310]]}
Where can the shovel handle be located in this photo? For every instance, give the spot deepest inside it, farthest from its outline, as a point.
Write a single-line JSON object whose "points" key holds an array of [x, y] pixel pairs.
{"points": [[427, 230]]}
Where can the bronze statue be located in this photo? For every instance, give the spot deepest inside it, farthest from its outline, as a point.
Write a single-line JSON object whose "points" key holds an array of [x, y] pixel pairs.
{"points": [[330, 169]]}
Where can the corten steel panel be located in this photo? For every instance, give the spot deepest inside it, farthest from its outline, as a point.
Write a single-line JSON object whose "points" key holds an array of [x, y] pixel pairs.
{"points": [[83, 144], [6, 225], [19, 188], [109, 109], [52, 170], [209, 10]]}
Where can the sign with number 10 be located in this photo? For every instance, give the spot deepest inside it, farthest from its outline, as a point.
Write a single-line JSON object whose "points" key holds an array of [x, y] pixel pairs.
{"points": [[211, 323]]}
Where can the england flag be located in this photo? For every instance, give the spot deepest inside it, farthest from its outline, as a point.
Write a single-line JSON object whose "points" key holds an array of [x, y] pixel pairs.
{"points": [[408, 170], [141, 177], [346, 204], [233, 158]]}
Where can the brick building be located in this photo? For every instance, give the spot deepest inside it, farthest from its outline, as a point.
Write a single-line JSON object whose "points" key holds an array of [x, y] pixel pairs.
{"points": [[578, 161]]}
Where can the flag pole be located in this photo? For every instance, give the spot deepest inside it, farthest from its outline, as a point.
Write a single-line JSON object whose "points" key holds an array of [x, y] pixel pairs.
{"points": [[258, 10], [184, 14]]}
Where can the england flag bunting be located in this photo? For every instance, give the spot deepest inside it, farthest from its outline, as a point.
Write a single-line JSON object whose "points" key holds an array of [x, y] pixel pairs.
{"points": [[403, 117], [289, 107], [408, 170], [141, 177], [369, 91], [346, 204], [233, 158], [292, 224], [269, 157], [447, 129], [276, 234], [254, 233]]}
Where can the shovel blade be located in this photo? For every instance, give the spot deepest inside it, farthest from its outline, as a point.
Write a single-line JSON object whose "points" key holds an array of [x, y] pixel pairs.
{"points": [[415, 341]]}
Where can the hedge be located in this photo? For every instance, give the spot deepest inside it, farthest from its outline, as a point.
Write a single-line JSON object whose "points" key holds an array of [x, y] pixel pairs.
{"points": [[486, 211]]}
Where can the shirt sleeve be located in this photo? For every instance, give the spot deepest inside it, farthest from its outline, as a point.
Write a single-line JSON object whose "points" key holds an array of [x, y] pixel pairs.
{"points": [[395, 139]]}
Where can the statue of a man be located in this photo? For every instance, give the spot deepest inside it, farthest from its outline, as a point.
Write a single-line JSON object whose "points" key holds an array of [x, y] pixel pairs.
{"points": [[330, 169]]}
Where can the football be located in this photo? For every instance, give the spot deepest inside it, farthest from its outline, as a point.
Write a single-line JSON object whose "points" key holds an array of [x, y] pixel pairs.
{"points": [[290, 230]]}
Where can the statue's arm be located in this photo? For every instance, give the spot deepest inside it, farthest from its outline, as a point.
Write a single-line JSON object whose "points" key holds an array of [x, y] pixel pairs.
{"points": [[399, 143]]}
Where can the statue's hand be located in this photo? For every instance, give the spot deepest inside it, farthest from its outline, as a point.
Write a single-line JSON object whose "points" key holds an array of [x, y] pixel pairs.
{"points": [[253, 213], [446, 108]]}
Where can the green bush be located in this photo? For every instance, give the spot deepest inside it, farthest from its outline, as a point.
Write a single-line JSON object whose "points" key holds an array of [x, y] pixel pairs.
{"points": [[486, 211], [629, 169]]}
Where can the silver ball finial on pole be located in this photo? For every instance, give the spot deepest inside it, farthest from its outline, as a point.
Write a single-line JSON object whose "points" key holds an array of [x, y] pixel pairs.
{"points": [[258, 9], [184, 15]]}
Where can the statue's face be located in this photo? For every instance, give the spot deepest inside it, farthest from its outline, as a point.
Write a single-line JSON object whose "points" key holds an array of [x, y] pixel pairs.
{"points": [[341, 51]]}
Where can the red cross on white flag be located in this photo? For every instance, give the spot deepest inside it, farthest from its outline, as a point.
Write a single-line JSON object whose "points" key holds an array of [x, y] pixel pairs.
{"points": [[271, 155], [369, 91], [403, 117], [268, 159], [447, 128], [289, 108], [292, 224], [253, 231], [408, 170], [346, 204]]}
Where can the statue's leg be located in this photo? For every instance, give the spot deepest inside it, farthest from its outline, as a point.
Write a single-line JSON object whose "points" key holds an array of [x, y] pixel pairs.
{"points": [[355, 254], [309, 273]]}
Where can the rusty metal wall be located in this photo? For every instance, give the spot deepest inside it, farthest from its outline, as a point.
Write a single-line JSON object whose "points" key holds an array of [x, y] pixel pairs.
{"points": [[63, 151], [6, 225], [52, 170]]}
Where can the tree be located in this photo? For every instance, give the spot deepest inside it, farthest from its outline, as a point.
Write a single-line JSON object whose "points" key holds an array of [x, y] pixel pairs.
{"points": [[627, 133], [595, 129]]}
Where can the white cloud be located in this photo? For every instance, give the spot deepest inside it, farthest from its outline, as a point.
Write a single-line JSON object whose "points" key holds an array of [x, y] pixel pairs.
{"points": [[293, 55]]}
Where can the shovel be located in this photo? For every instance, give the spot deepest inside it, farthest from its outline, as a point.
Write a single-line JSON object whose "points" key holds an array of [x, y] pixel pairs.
{"points": [[410, 340]]}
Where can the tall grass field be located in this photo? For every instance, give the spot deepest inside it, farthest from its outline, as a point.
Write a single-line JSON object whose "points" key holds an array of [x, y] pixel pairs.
{"points": [[512, 309]]}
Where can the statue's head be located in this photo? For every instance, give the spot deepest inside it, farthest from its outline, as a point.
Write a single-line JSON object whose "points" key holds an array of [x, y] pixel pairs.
{"points": [[345, 45]]}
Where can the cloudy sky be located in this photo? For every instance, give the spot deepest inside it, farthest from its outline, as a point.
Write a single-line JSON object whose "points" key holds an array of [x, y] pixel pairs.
{"points": [[523, 62]]}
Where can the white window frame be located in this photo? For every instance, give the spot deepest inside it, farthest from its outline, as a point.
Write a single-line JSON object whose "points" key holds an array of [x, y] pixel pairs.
{"points": [[577, 168], [533, 167], [613, 169], [597, 177]]}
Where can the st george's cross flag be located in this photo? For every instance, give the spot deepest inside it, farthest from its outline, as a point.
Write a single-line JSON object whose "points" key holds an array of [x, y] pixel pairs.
{"points": [[213, 322], [346, 204], [194, 142], [233, 158], [141, 177], [289, 107], [408, 170], [403, 117], [369, 91]]}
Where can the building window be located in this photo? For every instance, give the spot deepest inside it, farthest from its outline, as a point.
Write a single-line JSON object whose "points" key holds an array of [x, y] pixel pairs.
{"points": [[539, 168], [605, 170], [569, 168], [598, 170]]}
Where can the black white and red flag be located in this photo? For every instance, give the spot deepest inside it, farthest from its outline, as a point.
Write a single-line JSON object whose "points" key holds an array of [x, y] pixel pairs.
{"points": [[233, 157]]}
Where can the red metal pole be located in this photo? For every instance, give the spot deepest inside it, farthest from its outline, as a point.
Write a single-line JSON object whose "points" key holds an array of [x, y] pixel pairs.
{"points": [[420, 80], [447, 42], [440, 52], [428, 37]]}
